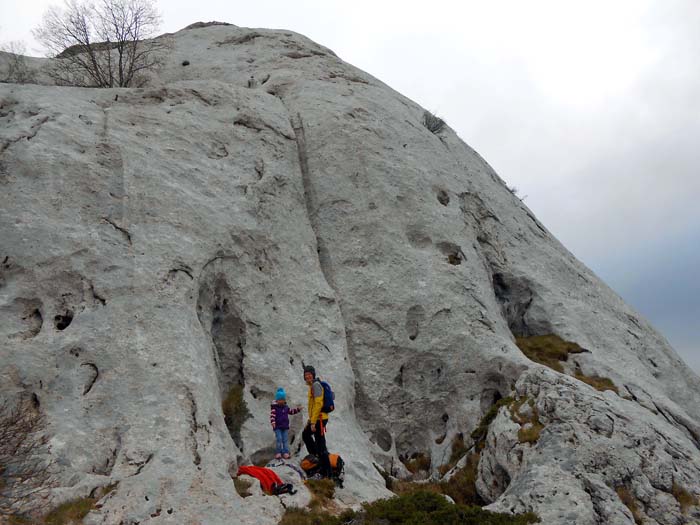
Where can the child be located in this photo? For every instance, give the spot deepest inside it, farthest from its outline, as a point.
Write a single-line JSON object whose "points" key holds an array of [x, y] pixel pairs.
{"points": [[279, 418]]}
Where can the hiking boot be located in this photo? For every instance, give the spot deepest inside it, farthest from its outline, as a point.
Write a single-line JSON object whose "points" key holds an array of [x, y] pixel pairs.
{"points": [[278, 456], [285, 456]]}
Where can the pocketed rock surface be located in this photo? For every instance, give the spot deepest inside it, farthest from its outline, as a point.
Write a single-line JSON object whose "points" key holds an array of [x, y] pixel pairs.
{"points": [[270, 205]]}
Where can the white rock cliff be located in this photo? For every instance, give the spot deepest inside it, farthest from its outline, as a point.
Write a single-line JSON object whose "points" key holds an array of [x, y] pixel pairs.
{"points": [[270, 205]]}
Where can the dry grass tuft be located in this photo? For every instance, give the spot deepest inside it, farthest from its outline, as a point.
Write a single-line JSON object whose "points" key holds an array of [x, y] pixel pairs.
{"points": [[322, 492], [459, 449], [242, 487], [683, 497], [549, 350], [433, 123], [597, 382], [626, 497], [418, 462]]}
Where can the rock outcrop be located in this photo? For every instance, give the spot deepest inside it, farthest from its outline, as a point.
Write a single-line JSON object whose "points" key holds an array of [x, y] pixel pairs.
{"points": [[268, 205]]}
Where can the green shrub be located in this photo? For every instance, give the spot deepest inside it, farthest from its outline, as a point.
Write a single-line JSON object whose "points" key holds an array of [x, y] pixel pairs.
{"points": [[235, 411], [479, 433], [462, 486], [427, 508], [295, 516], [70, 511]]}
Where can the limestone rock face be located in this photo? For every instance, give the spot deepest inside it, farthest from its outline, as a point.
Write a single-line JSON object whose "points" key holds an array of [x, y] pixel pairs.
{"points": [[269, 205]]}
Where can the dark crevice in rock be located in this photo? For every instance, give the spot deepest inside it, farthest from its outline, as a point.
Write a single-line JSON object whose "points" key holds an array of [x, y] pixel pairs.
{"points": [[96, 296], [33, 130], [201, 97], [515, 296], [194, 443], [443, 197], [94, 376], [223, 323], [124, 231], [249, 122], [140, 465], [108, 466], [186, 270]]}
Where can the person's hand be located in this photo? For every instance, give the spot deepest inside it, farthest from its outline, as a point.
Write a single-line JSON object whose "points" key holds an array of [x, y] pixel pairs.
{"points": [[313, 427], [299, 407]]}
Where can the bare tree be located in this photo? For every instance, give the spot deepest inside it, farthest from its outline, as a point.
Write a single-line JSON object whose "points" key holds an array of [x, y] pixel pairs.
{"points": [[24, 463], [103, 44], [17, 70]]}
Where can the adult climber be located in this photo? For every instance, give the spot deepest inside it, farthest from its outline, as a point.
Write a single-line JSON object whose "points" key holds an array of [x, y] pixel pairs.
{"points": [[314, 434]]}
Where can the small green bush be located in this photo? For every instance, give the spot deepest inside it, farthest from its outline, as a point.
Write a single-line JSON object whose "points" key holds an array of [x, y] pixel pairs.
{"points": [[479, 433], [70, 511], [235, 411], [295, 516], [462, 486], [427, 508]]}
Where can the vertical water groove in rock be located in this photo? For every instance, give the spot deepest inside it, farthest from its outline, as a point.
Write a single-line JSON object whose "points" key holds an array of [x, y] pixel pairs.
{"points": [[310, 199]]}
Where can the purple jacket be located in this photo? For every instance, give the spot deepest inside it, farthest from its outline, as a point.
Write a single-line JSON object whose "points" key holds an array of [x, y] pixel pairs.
{"points": [[279, 416]]}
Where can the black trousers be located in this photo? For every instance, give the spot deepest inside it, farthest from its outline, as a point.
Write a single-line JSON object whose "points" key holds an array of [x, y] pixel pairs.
{"points": [[316, 444]]}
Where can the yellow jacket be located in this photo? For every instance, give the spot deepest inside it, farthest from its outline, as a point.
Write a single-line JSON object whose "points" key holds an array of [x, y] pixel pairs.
{"points": [[316, 402]]}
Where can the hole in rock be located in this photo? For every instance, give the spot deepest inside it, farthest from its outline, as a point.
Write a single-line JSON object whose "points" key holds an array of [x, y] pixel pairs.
{"points": [[515, 296], [443, 197], [452, 251], [414, 318], [61, 322]]}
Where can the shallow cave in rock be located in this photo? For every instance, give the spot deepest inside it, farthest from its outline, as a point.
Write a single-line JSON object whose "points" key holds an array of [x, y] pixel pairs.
{"points": [[62, 321]]}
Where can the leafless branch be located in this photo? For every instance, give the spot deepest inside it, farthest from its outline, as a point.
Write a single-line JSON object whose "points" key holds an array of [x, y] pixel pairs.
{"points": [[102, 44], [18, 71], [24, 462]]}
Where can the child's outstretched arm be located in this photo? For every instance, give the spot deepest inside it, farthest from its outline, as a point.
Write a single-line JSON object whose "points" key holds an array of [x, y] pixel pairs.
{"points": [[293, 411]]}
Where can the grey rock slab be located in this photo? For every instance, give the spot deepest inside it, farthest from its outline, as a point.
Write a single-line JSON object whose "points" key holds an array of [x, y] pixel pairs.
{"points": [[270, 205]]}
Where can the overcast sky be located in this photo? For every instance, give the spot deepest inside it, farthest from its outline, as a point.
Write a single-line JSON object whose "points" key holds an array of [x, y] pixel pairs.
{"points": [[590, 108]]}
